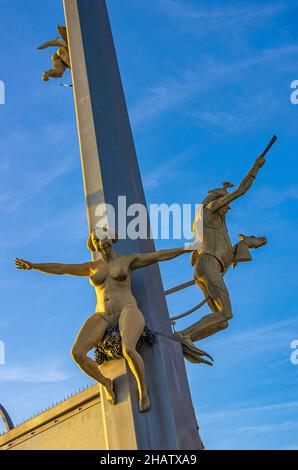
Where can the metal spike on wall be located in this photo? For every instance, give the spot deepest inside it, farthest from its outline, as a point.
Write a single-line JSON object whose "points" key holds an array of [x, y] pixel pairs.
{"points": [[70, 395]]}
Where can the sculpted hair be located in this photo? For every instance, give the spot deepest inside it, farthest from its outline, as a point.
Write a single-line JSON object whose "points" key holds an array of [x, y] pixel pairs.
{"points": [[90, 245]]}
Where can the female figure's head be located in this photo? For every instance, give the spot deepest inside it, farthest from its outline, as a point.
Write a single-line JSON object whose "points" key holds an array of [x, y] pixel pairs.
{"points": [[102, 242]]}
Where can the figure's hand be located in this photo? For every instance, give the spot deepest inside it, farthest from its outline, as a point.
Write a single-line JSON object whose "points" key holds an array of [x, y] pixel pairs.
{"points": [[41, 47], [195, 246], [23, 265], [260, 161]]}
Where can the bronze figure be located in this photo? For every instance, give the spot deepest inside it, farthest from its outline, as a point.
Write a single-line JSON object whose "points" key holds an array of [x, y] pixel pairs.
{"points": [[217, 253], [61, 58], [110, 275]]}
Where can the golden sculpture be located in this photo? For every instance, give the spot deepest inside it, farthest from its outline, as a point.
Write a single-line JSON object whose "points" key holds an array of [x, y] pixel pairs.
{"points": [[61, 58], [111, 278], [217, 253]]}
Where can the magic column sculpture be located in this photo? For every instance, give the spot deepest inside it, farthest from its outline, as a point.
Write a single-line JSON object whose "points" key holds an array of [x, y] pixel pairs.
{"points": [[110, 169]]}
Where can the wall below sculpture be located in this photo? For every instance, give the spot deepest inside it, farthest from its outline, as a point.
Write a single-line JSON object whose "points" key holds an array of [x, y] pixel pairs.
{"points": [[74, 424]]}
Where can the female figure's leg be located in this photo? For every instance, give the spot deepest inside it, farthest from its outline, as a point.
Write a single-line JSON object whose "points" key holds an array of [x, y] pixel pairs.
{"points": [[131, 325], [88, 338]]}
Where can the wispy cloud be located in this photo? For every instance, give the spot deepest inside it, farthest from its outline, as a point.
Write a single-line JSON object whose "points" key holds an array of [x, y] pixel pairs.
{"points": [[268, 338], [44, 372], [217, 18], [159, 99], [253, 421], [25, 172], [236, 117], [69, 223], [223, 119], [173, 93], [271, 197], [267, 332], [166, 172], [266, 207], [269, 428], [240, 426], [215, 416], [34, 184]]}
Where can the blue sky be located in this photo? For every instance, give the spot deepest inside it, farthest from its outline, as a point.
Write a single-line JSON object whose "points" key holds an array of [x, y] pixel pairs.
{"points": [[207, 85]]}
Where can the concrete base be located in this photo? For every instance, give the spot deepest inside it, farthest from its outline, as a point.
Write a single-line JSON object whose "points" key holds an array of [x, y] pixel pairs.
{"points": [[75, 424], [118, 423]]}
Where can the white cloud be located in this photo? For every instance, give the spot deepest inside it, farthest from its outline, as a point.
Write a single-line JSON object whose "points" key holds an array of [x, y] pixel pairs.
{"points": [[68, 224], [173, 93], [238, 427], [265, 333], [159, 99], [269, 338], [221, 119], [164, 173], [266, 347], [237, 117], [217, 18], [269, 428], [31, 161], [34, 184], [43, 372], [271, 197], [227, 414]]}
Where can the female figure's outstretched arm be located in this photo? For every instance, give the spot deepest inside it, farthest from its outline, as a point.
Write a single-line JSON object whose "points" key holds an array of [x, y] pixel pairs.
{"points": [[85, 269], [141, 260]]}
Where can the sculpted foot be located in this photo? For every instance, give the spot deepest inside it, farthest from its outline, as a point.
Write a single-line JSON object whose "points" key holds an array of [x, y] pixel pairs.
{"points": [[144, 404], [110, 392]]}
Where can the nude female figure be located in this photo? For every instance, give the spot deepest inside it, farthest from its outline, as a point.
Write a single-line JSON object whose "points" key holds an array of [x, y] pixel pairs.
{"points": [[111, 278]]}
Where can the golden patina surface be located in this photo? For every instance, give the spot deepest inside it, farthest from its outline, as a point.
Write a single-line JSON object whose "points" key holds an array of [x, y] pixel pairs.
{"points": [[61, 58], [217, 253], [111, 276]]}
